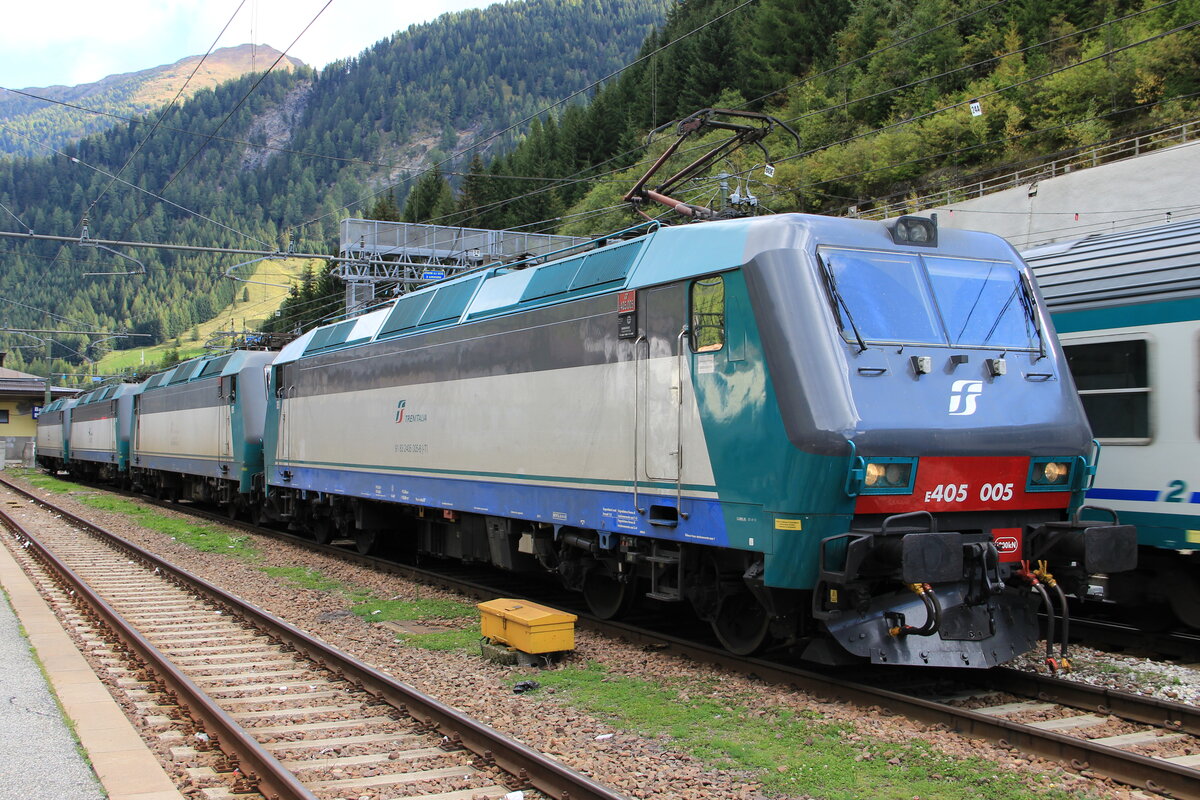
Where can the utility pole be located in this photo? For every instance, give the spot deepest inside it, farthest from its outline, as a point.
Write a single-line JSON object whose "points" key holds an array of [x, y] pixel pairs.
{"points": [[49, 374]]}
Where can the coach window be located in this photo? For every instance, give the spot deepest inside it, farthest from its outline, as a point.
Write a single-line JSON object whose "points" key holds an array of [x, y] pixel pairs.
{"points": [[3, 416], [1113, 383], [708, 314]]}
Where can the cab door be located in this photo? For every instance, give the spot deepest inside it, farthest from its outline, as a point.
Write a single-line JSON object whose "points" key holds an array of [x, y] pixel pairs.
{"points": [[660, 384], [226, 394]]}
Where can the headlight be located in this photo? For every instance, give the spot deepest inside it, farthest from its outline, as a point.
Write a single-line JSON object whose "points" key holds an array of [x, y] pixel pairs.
{"points": [[875, 473], [889, 475], [1049, 474], [1055, 472]]}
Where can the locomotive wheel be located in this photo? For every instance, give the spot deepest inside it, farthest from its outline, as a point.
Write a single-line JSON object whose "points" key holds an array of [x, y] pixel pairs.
{"points": [[606, 596], [322, 530], [364, 541], [741, 624]]}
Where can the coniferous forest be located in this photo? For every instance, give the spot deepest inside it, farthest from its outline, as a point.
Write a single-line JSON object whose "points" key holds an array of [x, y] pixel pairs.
{"points": [[458, 122], [280, 159]]}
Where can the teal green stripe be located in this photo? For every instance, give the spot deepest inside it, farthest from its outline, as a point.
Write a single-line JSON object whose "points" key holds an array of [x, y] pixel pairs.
{"points": [[695, 487], [1129, 316]]}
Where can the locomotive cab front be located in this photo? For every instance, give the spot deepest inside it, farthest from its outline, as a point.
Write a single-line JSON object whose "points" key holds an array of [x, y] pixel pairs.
{"points": [[965, 448]]}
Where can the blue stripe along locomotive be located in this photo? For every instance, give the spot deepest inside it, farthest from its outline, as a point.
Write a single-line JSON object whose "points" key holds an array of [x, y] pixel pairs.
{"points": [[856, 438]]}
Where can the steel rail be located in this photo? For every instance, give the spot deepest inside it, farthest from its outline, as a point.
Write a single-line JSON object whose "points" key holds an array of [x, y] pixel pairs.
{"points": [[1177, 644], [255, 762], [1133, 769], [527, 765], [1150, 710]]}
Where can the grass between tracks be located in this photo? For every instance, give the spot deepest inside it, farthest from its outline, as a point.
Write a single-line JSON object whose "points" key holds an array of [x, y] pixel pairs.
{"points": [[424, 610], [790, 752], [205, 538], [213, 539]]}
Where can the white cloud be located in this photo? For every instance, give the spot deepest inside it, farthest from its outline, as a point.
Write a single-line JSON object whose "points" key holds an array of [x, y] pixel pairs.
{"points": [[73, 41]]}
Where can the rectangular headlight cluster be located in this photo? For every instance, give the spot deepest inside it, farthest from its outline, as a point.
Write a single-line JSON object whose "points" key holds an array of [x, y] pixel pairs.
{"points": [[889, 475], [1050, 475]]}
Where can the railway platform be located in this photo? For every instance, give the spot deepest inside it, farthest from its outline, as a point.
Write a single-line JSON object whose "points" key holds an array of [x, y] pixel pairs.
{"points": [[38, 756]]}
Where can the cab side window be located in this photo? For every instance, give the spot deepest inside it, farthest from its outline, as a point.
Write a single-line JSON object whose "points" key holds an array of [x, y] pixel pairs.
{"points": [[708, 314]]}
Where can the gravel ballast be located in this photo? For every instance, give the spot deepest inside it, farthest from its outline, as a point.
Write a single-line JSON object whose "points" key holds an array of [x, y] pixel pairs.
{"points": [[639, 766]]}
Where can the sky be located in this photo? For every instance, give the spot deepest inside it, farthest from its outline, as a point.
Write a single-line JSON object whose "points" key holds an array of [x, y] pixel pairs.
{"points": [[68, 42]]}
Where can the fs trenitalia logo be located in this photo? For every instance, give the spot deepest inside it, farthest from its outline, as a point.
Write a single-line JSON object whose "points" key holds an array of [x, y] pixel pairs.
{"points": [[401, 416], [962, 397]]}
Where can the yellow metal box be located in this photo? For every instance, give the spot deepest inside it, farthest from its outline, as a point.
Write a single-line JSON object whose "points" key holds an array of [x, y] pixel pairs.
{"points": [[529, 627]]}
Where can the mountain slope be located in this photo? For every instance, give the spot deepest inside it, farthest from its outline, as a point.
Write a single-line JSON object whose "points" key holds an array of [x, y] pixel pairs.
{"points": [[880, 94], [290, 157], [129, 94]]}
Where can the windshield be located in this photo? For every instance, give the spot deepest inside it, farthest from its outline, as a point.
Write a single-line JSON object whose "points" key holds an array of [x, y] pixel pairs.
{"points": [[983, 302], [908, 298]]}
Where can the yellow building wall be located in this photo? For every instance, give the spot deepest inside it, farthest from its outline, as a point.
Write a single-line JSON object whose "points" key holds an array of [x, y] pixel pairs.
{"points": [[18, 424]]}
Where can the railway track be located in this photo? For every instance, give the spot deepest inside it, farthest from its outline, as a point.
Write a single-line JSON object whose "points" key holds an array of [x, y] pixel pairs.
{"points": [[294, 717], [1171, 644], [1132, 739]]}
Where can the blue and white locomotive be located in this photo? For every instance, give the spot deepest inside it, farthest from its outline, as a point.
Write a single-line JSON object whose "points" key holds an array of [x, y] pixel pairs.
{"points": [[53, 442], [854, 438], [1127, 307]]}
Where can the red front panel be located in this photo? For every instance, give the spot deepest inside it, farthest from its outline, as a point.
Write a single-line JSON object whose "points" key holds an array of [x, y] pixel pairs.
{"points": [[977, 483]]}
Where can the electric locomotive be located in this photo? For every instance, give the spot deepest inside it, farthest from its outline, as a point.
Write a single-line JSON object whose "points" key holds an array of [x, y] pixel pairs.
{"points": [[1127, 307], [197, 430], [854, 438], [54, 434], [100, 432]]}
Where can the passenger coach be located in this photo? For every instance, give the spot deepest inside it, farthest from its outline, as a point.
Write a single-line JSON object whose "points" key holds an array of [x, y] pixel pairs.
{"points": [[1127, 307]]}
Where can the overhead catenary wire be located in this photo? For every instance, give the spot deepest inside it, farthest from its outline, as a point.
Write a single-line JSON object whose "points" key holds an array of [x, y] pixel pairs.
{"points": [[48, 313], [567, 181], [81, 162], [551, 107], [543, 222], [196, 153], [1006, 166], [166, 109], [417, 170], [681, 38], [14, 216], [246, 96], [390, 165], [956, 105], [963, 103]]}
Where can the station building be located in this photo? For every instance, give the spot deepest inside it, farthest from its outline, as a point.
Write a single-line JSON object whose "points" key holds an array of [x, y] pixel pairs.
{"points": [[21, 397]]}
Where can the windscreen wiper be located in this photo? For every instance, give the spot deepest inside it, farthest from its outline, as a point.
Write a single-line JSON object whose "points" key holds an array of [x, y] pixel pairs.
{"points": [[1021, 290], [1031, 314], [838, 300]]}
